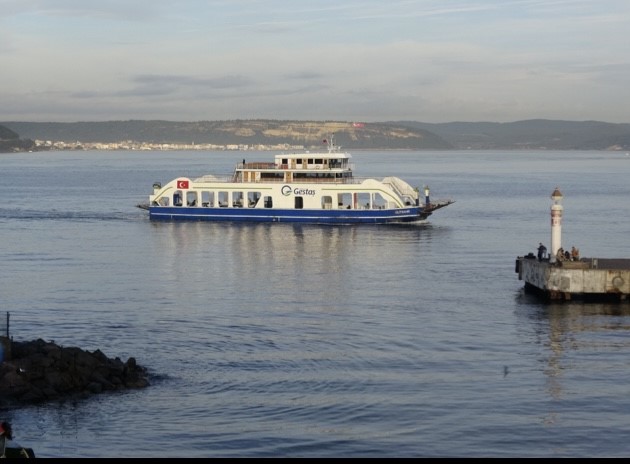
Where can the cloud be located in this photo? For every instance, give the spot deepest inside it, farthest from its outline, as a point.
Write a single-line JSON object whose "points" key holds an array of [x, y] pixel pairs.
{"points": [[369, 60], [110, 9]]}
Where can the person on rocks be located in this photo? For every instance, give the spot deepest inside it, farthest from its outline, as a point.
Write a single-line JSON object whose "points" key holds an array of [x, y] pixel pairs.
{"points": [[13, 451], [5, 434]]}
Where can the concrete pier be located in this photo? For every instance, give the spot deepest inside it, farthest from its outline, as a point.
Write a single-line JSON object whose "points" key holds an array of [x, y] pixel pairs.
{"points": [[596, 279], [567, 277]]}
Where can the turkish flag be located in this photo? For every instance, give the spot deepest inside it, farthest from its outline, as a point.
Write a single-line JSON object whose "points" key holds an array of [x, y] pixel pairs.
{"points": [[182, 184]]}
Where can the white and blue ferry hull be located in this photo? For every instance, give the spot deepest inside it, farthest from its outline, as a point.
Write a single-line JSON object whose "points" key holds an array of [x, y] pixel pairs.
{"points": [[390, 216]]}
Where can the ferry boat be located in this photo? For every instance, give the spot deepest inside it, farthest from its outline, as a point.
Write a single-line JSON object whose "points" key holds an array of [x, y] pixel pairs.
{"points": [[309, 187]]}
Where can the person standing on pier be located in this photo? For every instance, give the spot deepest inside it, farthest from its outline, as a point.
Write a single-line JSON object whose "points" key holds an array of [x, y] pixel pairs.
{"points": [[542, 251], [575, 254]]}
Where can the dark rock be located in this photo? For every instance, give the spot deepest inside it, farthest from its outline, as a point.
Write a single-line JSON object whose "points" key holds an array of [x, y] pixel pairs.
{"points": [[95, 387], [40, 371]]}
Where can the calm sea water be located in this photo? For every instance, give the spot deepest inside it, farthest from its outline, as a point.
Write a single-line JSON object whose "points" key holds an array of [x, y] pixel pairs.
{"points": [[276, 340]]}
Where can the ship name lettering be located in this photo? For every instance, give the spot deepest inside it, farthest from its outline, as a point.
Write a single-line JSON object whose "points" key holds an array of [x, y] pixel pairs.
{"points": [[301, 191]]}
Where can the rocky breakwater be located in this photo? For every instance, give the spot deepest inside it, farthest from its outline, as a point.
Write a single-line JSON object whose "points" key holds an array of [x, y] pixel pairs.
{"points": [[38, 371]]}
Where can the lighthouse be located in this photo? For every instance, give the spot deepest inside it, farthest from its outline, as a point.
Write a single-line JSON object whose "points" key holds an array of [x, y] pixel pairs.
{"points": [[556, 224]]}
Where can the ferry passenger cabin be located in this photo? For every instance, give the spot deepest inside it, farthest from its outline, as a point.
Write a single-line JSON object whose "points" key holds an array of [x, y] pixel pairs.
{"points": [[290, 168]]}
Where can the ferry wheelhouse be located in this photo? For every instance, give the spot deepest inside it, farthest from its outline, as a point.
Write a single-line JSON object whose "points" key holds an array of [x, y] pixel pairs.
{"points": [[303, 187]]}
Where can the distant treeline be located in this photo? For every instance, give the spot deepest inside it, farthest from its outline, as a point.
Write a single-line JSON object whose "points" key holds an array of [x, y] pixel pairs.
{"points": [[408, 135], [531, 134]]}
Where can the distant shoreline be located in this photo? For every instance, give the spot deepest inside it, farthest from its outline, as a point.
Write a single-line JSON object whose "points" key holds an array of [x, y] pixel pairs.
{"points": [[241, 135]]}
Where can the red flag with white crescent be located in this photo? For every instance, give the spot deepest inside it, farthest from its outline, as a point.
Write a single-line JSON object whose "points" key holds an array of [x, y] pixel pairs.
{"points": [[182, 184]]}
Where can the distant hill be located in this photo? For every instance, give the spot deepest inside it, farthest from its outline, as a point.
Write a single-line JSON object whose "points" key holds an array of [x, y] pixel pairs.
{"points": [[10, 141], [530, 134], [249, 132], [7, 134], [408, 135]]}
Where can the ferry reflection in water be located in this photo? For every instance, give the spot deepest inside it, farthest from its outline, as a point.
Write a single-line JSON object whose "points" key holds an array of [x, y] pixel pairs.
{"points": [[247, 256]]}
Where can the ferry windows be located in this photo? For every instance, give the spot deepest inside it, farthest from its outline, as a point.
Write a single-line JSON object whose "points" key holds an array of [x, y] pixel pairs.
{"points": [[191, 198], [344, 200], [363, 200], [327, 202], [252, 199], [268, 202], [177, 198], [237, 199], [207, 199], [310, 163], [272, 176], [378, 202], [223, 199], [299, 203]]}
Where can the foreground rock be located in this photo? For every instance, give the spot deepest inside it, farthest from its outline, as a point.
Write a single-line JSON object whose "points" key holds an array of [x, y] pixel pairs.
{"points": [[40, 371]]}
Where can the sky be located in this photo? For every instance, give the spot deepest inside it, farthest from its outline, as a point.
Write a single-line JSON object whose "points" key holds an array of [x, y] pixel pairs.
{"points": [[315, 60]]}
